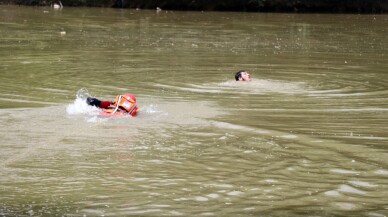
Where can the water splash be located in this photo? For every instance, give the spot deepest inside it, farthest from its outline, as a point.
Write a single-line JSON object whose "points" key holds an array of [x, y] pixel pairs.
{"points": [[152, 108], [83, 93], [79, 106]]}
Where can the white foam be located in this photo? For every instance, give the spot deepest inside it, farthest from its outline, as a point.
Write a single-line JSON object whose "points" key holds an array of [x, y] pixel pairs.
{"points": [[234, 193], [375, 214], [362, 184], [152, 109], [343, 171], [79, 106], [381, 172], [213, 195], [349, 189], [289, 136], [332, 193], [346, 206], [199, 198]]}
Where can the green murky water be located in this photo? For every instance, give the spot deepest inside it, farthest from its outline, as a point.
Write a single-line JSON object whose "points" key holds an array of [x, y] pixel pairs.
{"points": [[308, 136]]}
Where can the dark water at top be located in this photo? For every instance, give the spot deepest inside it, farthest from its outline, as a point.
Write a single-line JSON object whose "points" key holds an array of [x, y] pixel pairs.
{"points": [[308, 136]]}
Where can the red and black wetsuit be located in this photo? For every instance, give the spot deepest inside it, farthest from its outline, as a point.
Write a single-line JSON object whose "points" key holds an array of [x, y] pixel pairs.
{"points": [[98, 103]]}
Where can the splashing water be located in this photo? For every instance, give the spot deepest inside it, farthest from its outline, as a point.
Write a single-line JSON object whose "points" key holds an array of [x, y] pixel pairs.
{"points": [[83, 93], [79, 106]]}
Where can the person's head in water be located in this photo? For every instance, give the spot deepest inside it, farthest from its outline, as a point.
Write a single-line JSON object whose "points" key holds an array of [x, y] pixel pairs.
{"points": [[242, 75]]}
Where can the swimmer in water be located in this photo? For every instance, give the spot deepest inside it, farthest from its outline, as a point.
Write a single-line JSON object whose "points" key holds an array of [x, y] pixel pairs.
{"points": [[125, 103], [242, 75]]}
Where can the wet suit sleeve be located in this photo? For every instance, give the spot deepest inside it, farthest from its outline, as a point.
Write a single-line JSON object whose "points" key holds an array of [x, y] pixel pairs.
{"points": [[105, 104], [97, 103]]}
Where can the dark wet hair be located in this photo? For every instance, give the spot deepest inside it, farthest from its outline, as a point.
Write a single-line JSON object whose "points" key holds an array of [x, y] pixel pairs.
{"points": [[237, 76]]}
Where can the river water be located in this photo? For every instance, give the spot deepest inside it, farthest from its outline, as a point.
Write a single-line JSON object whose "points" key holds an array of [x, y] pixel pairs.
{"points": [[307, 136]]}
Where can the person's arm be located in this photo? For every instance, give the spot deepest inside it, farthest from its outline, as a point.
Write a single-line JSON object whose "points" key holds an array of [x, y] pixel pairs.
{"points": [[97, 103], [105, 104]]}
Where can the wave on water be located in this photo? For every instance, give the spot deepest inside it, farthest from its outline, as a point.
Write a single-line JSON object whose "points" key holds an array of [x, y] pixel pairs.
{"points": [[252, 87], [79, 106], [264, 86], [151, 110]]}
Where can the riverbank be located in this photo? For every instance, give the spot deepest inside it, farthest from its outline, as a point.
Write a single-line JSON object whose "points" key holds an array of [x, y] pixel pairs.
{"points": [[300, 6]]}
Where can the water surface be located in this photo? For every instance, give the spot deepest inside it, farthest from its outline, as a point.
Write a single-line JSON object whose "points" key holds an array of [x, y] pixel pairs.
{"points": [[306, 137]]}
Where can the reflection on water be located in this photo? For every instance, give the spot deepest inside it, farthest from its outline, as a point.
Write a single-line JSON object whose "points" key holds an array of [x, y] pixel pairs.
{"points": [[306, 137]]}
